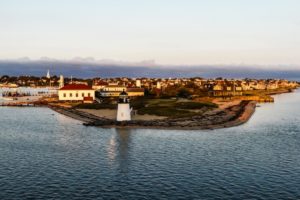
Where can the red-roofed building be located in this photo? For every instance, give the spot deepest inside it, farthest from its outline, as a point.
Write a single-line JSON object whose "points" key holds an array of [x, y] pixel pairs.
{"points": [[76, 92], [99, 85]]}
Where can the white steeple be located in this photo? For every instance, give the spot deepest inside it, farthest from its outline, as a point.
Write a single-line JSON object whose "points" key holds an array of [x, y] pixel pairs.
{"points": [[48, 74], [61, 81]]}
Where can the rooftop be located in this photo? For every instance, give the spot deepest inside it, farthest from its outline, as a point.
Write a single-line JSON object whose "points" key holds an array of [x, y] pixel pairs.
{"points": [[76, 87]]}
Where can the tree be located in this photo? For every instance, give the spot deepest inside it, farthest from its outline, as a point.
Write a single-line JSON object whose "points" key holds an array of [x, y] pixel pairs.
{"points": [[183, 93]]}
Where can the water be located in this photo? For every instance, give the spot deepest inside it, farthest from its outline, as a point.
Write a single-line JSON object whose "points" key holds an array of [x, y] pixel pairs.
{"points": [[46, 155]]}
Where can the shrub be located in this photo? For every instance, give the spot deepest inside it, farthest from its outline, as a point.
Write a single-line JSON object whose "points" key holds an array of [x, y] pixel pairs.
{"points": [[183, 93]]}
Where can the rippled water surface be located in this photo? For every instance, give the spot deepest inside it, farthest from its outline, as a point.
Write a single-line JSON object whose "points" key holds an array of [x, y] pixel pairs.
{"points": [[46, 155]]}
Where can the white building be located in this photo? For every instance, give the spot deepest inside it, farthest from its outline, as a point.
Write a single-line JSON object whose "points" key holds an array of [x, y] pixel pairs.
{"points": [[138, 83], [158, 85], [76, 92], [112, 90]]}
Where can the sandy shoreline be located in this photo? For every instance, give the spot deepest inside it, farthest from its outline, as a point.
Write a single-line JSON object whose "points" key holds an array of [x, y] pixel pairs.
{"points": [[112, 113], [233, 115]]}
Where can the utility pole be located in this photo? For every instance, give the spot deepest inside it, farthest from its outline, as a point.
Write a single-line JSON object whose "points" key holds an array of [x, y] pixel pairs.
{"points": [[234, 87]]}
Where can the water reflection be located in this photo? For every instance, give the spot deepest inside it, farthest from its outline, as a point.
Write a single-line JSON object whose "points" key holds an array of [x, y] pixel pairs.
{"points": [[118, 148], [111, 149]]}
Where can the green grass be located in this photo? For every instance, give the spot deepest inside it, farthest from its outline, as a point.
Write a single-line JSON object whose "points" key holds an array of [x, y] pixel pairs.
{"points": [[165, 111], [172, 108], [161, 102]]}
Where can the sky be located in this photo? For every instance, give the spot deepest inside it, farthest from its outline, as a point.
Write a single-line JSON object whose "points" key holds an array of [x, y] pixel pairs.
{"points": [[175, 32]]}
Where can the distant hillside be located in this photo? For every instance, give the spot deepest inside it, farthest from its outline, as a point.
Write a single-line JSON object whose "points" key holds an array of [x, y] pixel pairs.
{"points": [[87, 70]]}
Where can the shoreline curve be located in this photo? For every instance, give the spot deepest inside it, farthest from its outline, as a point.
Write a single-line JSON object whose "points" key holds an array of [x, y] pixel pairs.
{"points": [[230, 117]]}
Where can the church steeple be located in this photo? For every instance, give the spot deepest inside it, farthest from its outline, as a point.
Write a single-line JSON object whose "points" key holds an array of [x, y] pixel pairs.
{"points": [[48, 74]]}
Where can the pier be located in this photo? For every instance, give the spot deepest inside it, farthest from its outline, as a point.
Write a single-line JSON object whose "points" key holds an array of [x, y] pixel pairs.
{"points": [[18, 104], [259, 99]]}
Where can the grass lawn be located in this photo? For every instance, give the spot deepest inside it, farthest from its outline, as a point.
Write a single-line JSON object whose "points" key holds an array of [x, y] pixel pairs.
{"points": [[172, 107], [165, 111]]}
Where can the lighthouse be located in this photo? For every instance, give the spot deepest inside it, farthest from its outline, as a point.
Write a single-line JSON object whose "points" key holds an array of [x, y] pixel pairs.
{"points": [[124, 111]]}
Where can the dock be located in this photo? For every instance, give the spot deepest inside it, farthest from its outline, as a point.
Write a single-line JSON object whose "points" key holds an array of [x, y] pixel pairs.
{"points": [[259, 99], [18, 104]]}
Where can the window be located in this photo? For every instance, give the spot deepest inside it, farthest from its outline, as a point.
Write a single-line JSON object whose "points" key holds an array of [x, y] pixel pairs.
{"points": [[76, 94], [89, 94], [71, 94], [65, 95], [82, 94]]}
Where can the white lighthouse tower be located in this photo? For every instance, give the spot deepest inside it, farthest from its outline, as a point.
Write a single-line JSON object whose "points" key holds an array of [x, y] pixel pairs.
{"points": [[124, 111]]}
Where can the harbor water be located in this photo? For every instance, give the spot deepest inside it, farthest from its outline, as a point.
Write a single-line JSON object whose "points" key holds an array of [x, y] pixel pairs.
{"points": [[45, 155]]}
